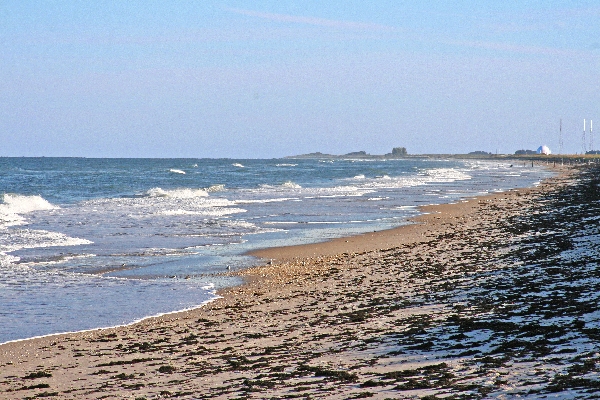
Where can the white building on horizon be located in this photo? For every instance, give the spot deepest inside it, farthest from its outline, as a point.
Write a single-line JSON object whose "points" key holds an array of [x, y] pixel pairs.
{"points": [[544, 150]]}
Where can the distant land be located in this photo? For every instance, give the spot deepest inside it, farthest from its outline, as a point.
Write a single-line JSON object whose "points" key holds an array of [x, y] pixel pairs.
{"points": [[401, 152], [397, 152]]}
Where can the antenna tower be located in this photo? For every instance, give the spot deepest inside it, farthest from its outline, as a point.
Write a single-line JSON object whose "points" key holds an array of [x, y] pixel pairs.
{"points": [[583, 138], [560, 139], [591, 137]]}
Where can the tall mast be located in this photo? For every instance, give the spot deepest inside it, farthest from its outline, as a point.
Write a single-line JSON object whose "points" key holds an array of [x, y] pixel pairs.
{"points": [[591, 137], [560, 140], [583, 138]]}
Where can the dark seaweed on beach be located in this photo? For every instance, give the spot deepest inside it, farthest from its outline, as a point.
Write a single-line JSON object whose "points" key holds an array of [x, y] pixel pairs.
{"points": [[125, 362], [533, 299], [38, 374], [330, 373], [506, 307]]}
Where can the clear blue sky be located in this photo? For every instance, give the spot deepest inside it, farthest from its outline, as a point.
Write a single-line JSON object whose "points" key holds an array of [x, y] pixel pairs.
{"points": [[273, 78]]}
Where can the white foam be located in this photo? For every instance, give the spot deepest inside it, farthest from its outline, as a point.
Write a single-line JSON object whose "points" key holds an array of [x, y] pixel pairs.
{"points": [[285, 165], [156, 203], [206, 212], [293, 192], [7, 260], [290, 185], [241, 224], [15, 205], [342, 191], [238, 165], [177, 193], [177, 171], [447, 175], [285, 185], [58, 260], [16, 239], [216, 188], [264, 201], [438, 175]]}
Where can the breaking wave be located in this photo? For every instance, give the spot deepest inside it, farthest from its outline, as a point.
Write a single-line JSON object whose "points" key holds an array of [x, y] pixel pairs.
{"points": [[216, 188], [17, 239], [177, 193], [14, 205]]}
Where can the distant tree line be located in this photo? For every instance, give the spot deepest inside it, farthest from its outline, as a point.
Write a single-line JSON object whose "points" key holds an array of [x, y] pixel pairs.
{"points": [[399, 151], [525, 152]]}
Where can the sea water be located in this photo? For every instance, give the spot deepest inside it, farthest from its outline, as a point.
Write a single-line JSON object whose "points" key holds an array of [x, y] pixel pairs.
{"points": [[89, 243]]}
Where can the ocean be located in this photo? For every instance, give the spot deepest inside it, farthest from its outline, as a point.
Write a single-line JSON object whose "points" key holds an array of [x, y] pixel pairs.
{"points": [[90, 243]]}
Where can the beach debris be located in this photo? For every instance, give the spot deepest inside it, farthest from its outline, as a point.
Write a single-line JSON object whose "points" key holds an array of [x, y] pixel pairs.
{"points": [[500, 305]]}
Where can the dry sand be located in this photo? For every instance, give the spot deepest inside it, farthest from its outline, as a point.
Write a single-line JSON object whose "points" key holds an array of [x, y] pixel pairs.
{"points": [[315, 322]]}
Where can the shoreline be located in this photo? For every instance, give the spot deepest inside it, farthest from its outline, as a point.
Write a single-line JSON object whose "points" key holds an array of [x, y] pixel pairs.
{"points": [[386, 238], [294, 269], [137, 321], [353, 243]]}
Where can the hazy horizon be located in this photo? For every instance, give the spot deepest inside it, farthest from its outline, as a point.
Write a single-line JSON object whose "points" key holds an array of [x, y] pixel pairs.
{"points": [[265, 79]]}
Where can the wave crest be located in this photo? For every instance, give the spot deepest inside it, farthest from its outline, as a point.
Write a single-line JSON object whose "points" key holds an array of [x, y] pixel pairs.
{"points": [[290, 185], [447, 175], [20, 204], [14, 205], [177, 193], [216, 188], [17, 239]]}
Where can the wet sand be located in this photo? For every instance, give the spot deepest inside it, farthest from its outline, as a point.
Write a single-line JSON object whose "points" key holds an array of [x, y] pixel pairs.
{"points": [[350, 318]]}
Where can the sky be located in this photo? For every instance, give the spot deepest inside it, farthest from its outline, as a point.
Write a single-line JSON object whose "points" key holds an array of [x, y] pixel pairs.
{"points": [[264, 79]]}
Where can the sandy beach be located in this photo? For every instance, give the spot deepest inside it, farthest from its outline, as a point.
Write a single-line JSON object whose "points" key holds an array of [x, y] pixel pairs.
{"points": [[420, 311]]}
